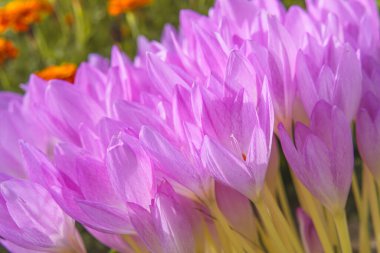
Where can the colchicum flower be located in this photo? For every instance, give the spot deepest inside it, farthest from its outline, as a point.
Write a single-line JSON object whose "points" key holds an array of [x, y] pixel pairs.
{"points": [[337, 78], [167, 226], [167, 152], [368, 132], [32, 220], [323, 155], [309, 235], [238, 139]]}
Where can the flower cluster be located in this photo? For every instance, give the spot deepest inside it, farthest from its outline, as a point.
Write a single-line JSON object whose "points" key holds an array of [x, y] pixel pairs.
{"points": [[168, 152], [18, 15]]}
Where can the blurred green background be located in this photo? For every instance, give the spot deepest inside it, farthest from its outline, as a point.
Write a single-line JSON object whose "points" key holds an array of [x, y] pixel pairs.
{"points": [[54, 40], [79, 27]]}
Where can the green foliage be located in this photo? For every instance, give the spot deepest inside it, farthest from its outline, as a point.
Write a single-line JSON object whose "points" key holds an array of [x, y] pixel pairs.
{"points": [[54, 40], [288, 3]]}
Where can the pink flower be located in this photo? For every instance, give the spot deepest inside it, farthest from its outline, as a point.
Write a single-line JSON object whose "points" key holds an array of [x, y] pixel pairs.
{"points": [[238, 139], [333, 75], [322, 157], [355, 22], [14, 120], [237, 209], [167, 225], [95, 192], [31, 220], [309, 235], [368, 132]]}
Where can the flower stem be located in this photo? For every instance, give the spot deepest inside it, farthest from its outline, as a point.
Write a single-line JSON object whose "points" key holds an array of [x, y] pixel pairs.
{"points": [[279, 218], [4, 80], [331, 229], [204, 241], [132, 23], [233, 242], [374, 207], [313, 209], [342, 228], [363, 216], [81, 28], [356, 192], [284, 200], [267, 220], [221, 229], [41, 43], [131, 242]]}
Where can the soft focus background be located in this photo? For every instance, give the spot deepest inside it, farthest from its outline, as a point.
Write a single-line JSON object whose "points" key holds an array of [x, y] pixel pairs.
{"points": [[72, 29], [75, 28]]}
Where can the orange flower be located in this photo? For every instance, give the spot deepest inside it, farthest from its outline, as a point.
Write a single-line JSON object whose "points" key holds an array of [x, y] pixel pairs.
{"points": [[62, 72], [7, 50], [116, 7], [69, 19], [20, 14]]}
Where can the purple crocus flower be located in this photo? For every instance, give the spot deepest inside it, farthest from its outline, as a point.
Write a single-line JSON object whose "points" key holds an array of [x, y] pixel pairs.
{"points": [[309, 235], [237, 209], [355, 22], [322, 157], [12, 128], [91, 191], [272, 52], [31, 220], [237, 142], [368, 132], [333, 75], [197, 106], [173, 165], [167, 225]]}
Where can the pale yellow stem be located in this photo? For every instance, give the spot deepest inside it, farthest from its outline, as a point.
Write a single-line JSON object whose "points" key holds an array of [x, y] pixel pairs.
{"points": [[331, 230], [267, 220], [131, 242], [374, 207], [283, 225], [284, 201], [204, 240], [313, 208], [221, 229], [132, 23], [82, 28], [356, 191], [342, 228], [364, 245], [268, 243], [230, 240]]}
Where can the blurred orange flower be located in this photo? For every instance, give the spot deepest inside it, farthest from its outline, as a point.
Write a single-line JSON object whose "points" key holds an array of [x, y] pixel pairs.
{"points": [[20, 14], [116, 7], [62, 72], [69, 19], [7, 50]]}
